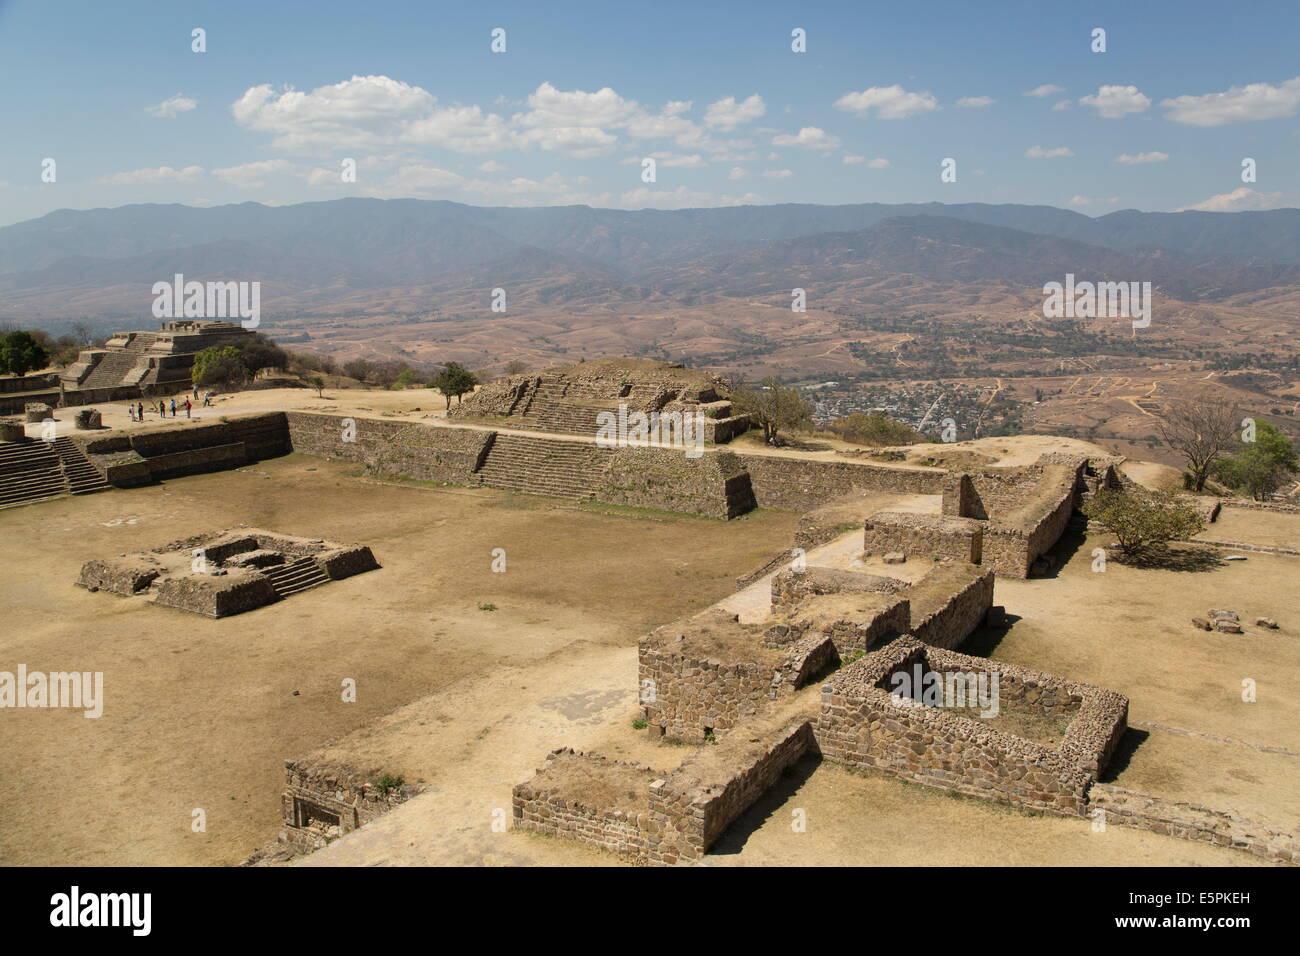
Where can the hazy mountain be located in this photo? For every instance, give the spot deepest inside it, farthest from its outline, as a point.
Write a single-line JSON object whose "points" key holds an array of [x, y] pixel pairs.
{"points": [[313, 253]]}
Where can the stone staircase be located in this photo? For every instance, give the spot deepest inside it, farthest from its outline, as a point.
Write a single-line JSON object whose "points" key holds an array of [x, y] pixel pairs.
{"points": [[35, 470], [82, 477], [29, 471], [543, 466], [559, 415], [296, 576], [111, 371]]}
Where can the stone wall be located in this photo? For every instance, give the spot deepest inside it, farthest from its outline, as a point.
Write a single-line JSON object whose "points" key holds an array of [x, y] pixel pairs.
{"points": [[412, 449], [934, 536], [696, 804], [863, 725], [323, 800], [1191, 821], [704, 676], [799, 484], [949, 603], [573, 796], [713, 484]]}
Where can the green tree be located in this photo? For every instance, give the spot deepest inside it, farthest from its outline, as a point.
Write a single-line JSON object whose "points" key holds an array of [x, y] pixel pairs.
{"points": [[773, 407], [1142, 520], [1261, 467], [317, 383], [222, 365], [454, 379], [21, 353], [407, 378]]}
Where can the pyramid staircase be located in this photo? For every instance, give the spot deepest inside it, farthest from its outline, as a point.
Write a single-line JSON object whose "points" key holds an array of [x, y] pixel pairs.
{"points": [[296, 576], [543, 466], [112, 369]]}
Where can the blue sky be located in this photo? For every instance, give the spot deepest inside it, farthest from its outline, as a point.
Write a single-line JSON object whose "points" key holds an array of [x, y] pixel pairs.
{"points": [[713, 92]]}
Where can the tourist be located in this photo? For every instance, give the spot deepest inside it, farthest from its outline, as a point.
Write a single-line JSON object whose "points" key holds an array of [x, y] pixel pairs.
{"points": [[173, 407], [187, 408], [130, 410], [162, 408], [139, 411]]}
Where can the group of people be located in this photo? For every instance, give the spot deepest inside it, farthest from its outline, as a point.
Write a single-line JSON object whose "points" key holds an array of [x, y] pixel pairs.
{"points": [[136, 410]]}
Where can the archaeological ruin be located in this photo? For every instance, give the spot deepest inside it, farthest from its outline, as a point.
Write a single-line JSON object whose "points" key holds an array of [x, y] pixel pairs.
{"points": [[226, 572], [890, 572]]}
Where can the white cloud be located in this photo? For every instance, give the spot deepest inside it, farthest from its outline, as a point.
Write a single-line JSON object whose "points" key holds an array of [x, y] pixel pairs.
{"points": [[372, 111], [1089, 201], [777, 174], [491, 166], [1062, 105], [1237, 104], [1239, 199], [1113, 101], [1152, 157], [887, 102], [1047, 89], [252, 175], [1037, 152], [810, 137], [727, 113], [737, 173], [877, 163], [162, 174], [974, 102], [172, 106]]}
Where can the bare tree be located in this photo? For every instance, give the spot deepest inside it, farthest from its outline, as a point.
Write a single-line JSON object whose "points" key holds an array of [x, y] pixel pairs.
{"points": [[772, 407], [1200, 429]]}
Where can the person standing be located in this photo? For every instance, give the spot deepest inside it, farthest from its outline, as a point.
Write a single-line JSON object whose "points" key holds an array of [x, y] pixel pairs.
{"points": [[139, 411], [162, 408], [187, 408], [173, 407]]}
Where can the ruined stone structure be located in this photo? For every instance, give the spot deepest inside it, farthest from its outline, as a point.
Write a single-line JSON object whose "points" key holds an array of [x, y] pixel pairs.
{"points": [[228, 572], [571, 398], [322, 801], [131, 362], [862, 724]]}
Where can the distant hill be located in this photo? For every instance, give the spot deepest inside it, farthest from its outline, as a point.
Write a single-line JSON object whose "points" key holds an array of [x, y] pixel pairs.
{"points": [[311, 255]]}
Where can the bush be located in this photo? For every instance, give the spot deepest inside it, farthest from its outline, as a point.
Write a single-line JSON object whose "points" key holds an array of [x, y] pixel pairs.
{"points": [[1143, 520], [874, 429]]}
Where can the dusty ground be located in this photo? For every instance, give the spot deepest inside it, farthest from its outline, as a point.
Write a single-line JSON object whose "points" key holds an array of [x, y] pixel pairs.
{"points": [[1271, 528], [202, 713]]}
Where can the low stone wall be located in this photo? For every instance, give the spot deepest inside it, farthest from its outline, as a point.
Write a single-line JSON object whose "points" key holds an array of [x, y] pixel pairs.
{"points": [[232, 593], [799, 484], [704, 676], [197, 461], [696, 804], [936, 536], [1191, 821], [323, 800], [791, 587], [116, 577], [949, 603], [863, 725], [544, 803]]}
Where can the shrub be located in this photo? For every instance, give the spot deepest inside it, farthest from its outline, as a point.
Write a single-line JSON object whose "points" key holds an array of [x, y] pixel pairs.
{"points": [[1142, 520]]}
